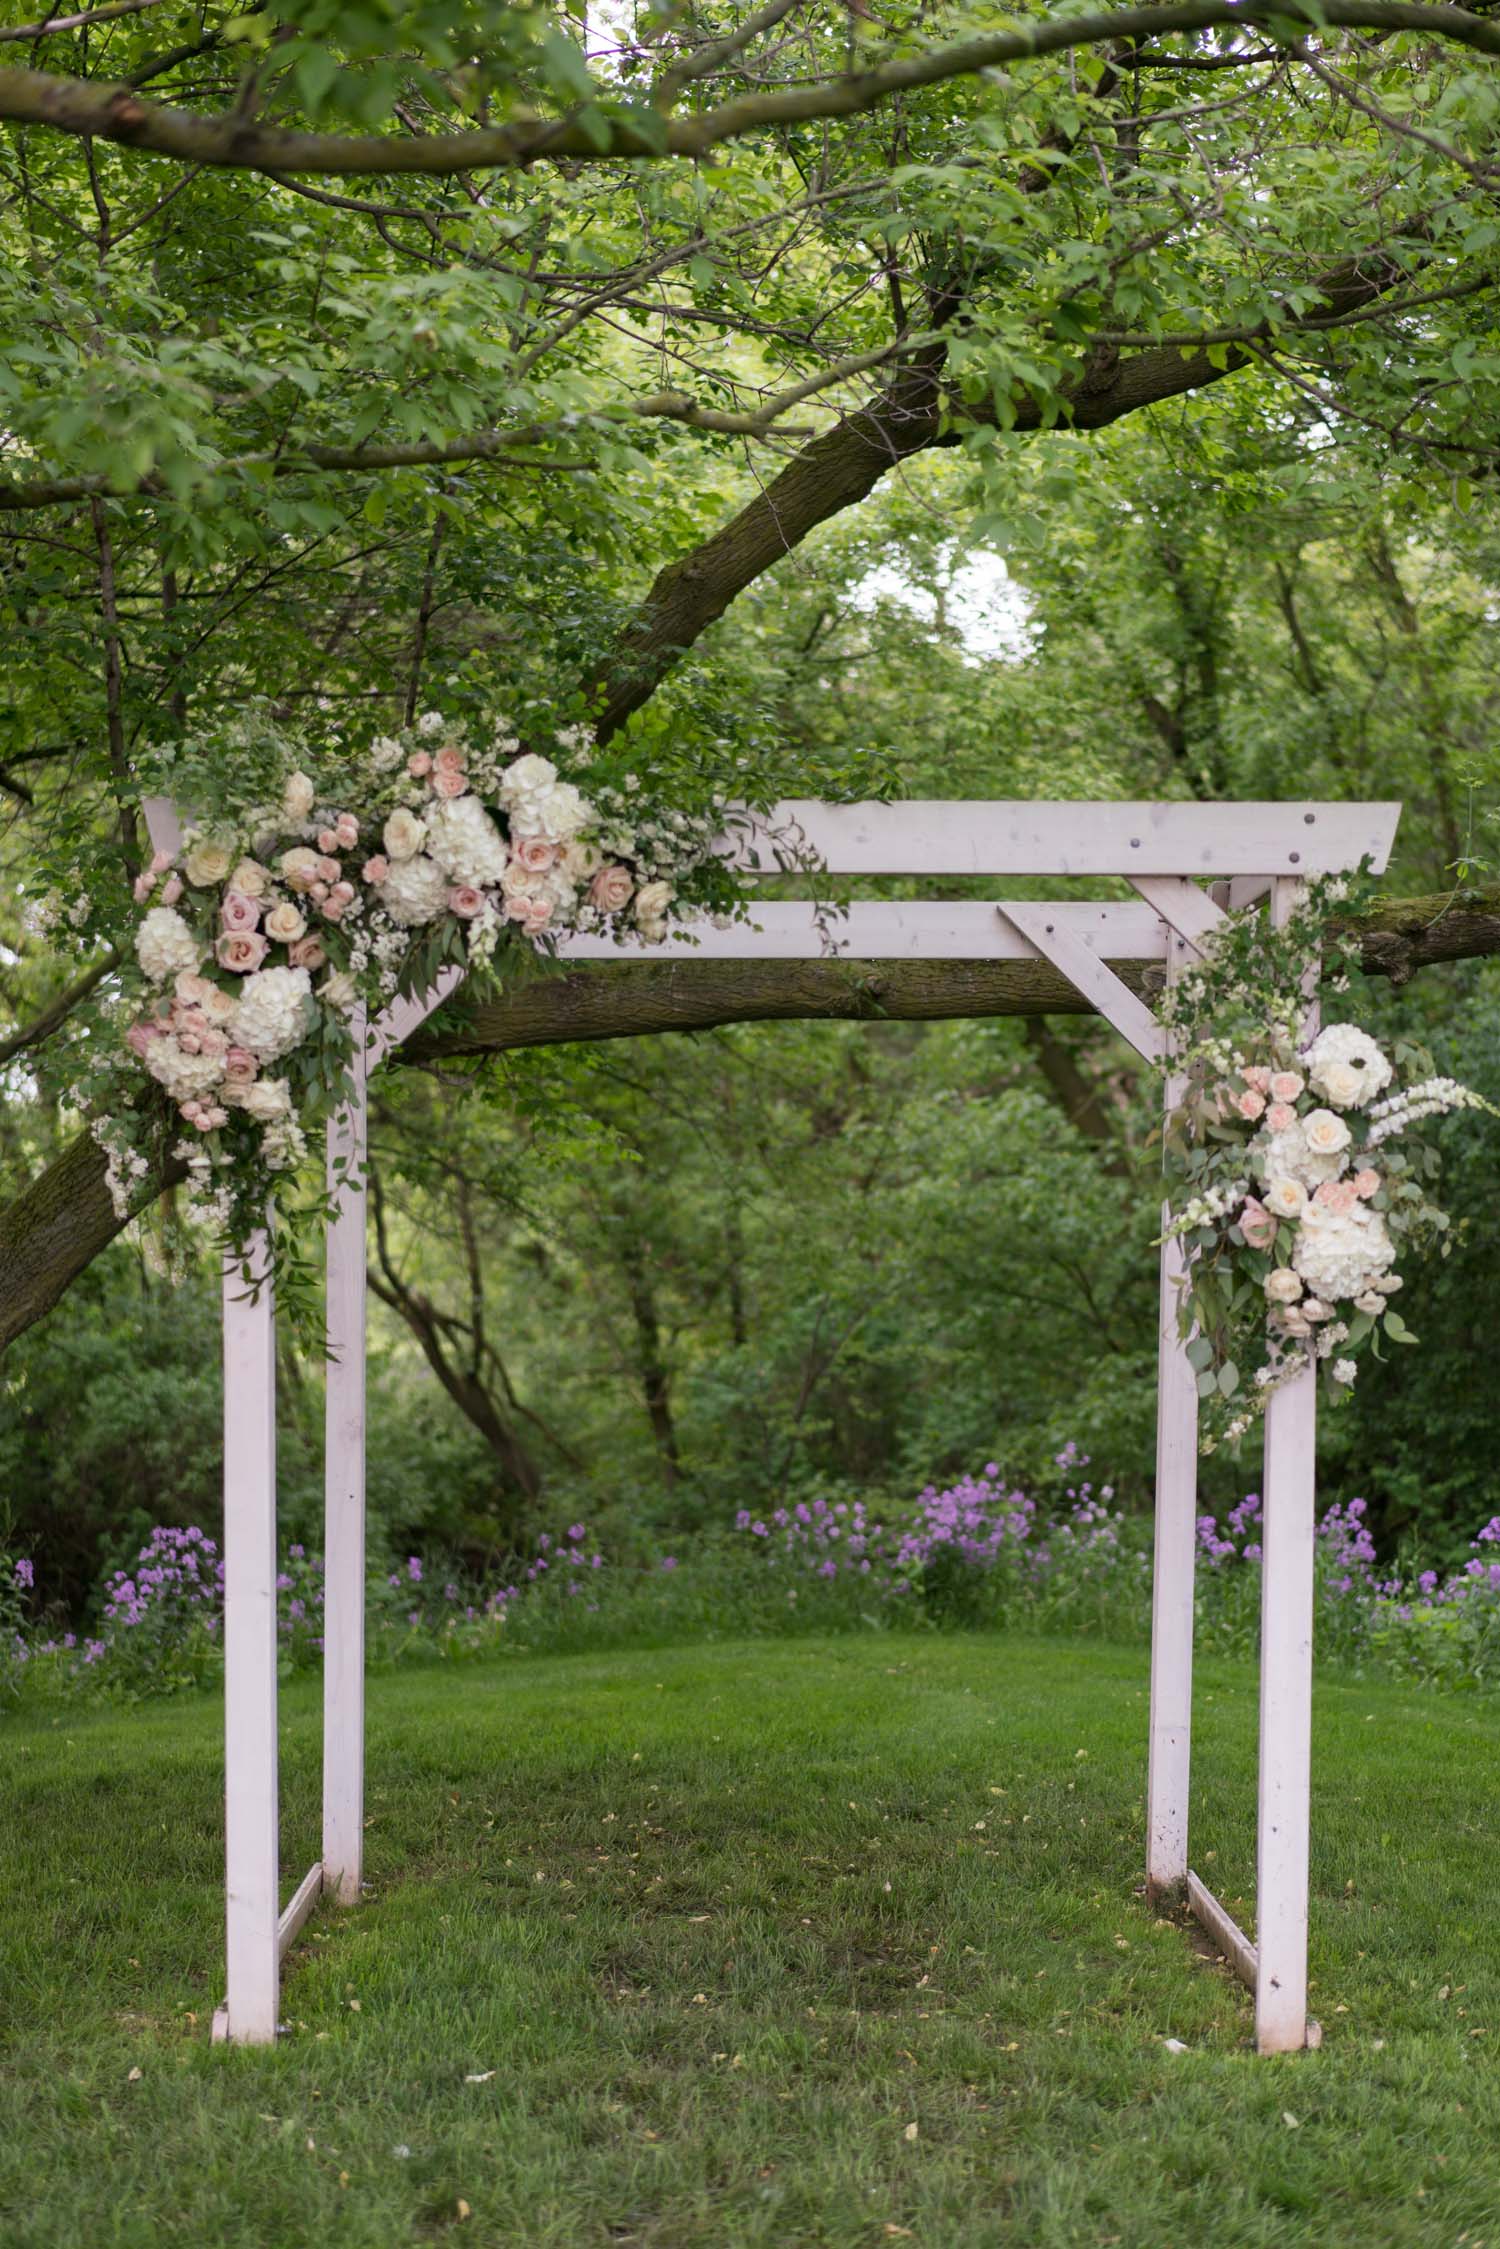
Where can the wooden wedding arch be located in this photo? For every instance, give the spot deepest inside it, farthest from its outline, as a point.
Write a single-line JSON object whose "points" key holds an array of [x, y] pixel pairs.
{"points": [[1166, 852]]}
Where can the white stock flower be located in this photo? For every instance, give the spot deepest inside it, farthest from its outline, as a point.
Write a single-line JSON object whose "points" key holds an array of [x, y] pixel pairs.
{"points": [[465, 842], [164, 945], [404, 835], [1282, 1286], [272, 1013], [415, 890]]}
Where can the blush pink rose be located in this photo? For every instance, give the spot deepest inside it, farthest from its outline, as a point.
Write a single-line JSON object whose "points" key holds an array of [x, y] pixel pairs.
{"points": [[418, 763], [375, 870], [240, 1066], [1337, 1195], [538, 913], [465, 901], [329, 870], [1366, 1184], [610, 889], [343, 892], [534, 853], [449, 760], [240, 951], [1286, 1085], [139, 1037], [346, 828], [1256, 1223], [308, 952], [239, 913], [1250, 1104], [160, 861], [328, 839], [331, 908], [449, 785], [1280, 1118], [1257, 1078], [142, 888], [171, 890]]}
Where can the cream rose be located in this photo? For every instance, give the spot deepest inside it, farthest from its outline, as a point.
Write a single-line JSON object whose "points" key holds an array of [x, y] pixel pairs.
{"points": [[298, 797], [404, 835], [1286, 1197], [1283, 1286], [285, 923], [1341, 1083], [207, 863], [337, 991], [299, 867], [652, 901], [267, 1099], [249, 878], [1326, 1134]]}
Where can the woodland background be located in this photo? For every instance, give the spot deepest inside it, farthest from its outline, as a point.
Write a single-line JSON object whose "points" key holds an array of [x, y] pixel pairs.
{"points": [[250, 426]]}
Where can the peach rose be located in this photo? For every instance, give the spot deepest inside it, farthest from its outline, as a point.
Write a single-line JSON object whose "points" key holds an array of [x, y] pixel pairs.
{"points": [[1280, 1118], [240, 1066], [240, 952], [1250, 1104], [448, 785], [375, 870], [418, 764], [610, 889], [1286, 1085], [1366, 1184], [1256, 1223], [465, 901], [307, 952], [239, 913]]}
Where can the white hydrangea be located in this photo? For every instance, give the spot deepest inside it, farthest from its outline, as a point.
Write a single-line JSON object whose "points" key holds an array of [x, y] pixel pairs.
{"points": [[1346, 1067], [187, 1077], [415, 891], [466, 843], [1286, 1155], [164, 945], [528, 776], [1342, 1254], [559, 812], [272, 1013]]}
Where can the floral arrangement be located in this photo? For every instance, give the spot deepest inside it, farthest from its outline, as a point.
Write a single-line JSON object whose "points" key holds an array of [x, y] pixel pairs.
{"points": [[1297, 1172], [284, 913]]}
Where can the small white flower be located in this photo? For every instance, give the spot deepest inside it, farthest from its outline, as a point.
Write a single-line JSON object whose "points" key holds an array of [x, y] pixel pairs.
{"points": [[1344, 1370]]}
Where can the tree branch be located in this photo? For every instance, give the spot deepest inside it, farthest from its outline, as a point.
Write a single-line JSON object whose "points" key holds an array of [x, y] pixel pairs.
{"points": [[232, 142]]}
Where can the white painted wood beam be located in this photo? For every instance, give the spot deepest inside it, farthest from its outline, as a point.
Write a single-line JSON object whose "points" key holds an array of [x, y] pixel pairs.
{"points": [[344, 1494], [1175, 1545], [251, 1810], [987, 837], [887, 929], [1221, 1925], [298, 1909], [1043, 929], [1188, 912]]}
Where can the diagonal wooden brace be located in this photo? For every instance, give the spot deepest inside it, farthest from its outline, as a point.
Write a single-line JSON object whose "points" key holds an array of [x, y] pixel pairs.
{"points": [[1186, 909], [1043, 929]]}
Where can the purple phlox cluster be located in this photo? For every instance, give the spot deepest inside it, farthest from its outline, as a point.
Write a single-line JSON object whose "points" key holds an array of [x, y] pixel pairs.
{"points": [[823, 1538], [174, 1571], [25, 1573], [973, 1521]]}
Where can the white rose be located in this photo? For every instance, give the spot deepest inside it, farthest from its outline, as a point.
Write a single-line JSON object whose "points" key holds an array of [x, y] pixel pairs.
{"points": [[404, 835], [267, 1099], [285, 923], [249, 879], [207, 863], [298, 797], [415, 890], [651, 903], [1325, 1134], [1283, 1286], [164, 945], [1286, 1197], [1342, 1084]]}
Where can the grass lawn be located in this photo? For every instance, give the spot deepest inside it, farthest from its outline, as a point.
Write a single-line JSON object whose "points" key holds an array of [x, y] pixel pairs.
{"points": [[833, 1942]]}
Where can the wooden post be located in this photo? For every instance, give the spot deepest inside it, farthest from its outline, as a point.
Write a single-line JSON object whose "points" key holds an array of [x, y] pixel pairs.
{"points": [[344, 1497], [1286, 1642], [251, 1812], [1176, 1531]]}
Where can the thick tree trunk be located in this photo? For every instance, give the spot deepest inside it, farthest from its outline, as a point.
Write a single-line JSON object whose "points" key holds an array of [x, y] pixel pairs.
{"points": [[62, 1220]]}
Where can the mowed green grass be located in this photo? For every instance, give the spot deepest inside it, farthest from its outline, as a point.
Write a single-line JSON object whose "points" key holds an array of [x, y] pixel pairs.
{"points": [[834, 1942]]}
